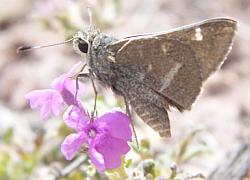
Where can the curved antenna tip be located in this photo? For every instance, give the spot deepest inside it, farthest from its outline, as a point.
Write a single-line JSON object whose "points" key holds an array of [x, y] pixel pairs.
{"points": [[23, 48]]}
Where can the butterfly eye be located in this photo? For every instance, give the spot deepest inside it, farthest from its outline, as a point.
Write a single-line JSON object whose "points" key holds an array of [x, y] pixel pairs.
{"points": [[83, 46]]}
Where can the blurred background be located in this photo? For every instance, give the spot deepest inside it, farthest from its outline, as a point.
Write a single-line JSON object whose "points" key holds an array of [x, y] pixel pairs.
{"points": [[203, 141]]}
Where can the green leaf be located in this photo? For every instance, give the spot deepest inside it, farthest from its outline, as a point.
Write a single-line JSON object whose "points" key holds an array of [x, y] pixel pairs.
{"points": [[128, 163], [8, 135], [148, 167]]}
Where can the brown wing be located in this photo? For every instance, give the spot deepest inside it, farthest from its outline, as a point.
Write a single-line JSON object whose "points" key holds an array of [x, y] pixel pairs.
{"points": [[150, 106], [211, 41], [176, 62]]}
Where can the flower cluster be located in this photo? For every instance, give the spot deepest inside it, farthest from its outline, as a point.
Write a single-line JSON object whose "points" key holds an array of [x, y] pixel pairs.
{"points": [[50, 101], [106, 137]]}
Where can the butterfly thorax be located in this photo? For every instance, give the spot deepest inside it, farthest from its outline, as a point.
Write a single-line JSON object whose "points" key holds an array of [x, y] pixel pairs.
{"points": [[101, 61]]}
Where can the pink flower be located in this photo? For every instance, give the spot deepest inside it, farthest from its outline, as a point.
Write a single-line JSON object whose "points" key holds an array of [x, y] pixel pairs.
{"points": [[106, 137], [50, 101]]}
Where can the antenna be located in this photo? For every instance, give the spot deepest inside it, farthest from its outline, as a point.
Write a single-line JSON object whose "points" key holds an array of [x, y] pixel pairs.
{"points": [[29, 48], [90, 17]]}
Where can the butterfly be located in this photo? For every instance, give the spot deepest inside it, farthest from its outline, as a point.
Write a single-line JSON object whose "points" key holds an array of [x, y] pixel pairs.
{"points": [[157, 70]]}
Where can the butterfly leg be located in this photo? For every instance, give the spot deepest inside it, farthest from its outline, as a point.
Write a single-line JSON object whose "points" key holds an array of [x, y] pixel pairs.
{"points": [[76, 77], [132, 122], [79, 74], [94, 112], [89, 75]]}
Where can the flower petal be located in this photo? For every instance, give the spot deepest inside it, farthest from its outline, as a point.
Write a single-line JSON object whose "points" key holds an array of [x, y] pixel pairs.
{"points": [[38, 97], [96, 158], [116, 123], [56, 105], [45, 112], [71, 144], [67, 87], [49, 100], [68, 97], [76, 117], [59, 84], [112, 149], [70, 84]]}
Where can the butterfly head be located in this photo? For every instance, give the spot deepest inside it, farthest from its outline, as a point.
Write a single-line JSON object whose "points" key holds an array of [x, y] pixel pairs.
{"points": [[81, 42]]}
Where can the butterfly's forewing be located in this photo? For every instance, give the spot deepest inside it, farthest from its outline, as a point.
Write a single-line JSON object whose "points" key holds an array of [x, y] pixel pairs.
{"points": [[184, 56], [174, 64], [211, 41], [164, 65]]}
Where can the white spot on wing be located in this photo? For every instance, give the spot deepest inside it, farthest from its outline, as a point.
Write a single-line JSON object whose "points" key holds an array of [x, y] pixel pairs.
{"points": [[170, 76], [198, 35]]}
